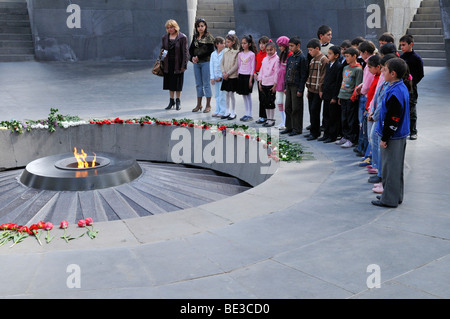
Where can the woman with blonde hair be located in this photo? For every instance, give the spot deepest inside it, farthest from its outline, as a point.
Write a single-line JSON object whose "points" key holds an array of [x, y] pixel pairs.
{"points": [[175, 47]]}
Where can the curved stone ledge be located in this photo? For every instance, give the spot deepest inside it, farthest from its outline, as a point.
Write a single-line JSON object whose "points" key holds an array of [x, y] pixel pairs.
{"points": [[230, 154], [291, 184]]}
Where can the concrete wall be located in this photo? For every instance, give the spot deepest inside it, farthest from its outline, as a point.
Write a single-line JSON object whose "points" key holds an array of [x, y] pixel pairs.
{"points": [[148, 143], [399, 14], [110, 29], [274, 18], [445, 15]]}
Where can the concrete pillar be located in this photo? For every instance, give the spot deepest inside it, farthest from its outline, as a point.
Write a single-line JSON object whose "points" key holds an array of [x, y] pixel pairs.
{"points": [[399, 14]]}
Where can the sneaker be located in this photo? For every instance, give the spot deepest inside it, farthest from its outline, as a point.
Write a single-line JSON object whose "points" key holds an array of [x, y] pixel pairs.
{"points": [[341, 141], [372, 171], [378, 189], [281, 127], [347, 144], [261, 121], [413, 137], [243, 118], [365, 163]]}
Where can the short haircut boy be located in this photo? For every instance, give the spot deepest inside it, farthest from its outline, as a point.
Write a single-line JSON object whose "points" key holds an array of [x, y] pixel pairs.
{"points": [[387, 57], [352, 51], [386, 37], [346, 44], [323, 29], [356, 41], [388, 48], [314, 43], [218, 40], [295, 40], [367, 46], [335, 50], [408, 38]]}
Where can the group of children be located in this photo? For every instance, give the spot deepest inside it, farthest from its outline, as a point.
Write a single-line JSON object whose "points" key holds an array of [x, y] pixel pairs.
{"points": [[368, 95]]}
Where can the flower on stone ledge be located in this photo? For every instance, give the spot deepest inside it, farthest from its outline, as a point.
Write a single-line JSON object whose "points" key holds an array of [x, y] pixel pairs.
{"points": [[88, 222]]}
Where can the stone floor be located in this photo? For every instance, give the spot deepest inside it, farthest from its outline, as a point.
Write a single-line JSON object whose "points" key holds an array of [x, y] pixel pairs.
{"points": [[308, 232]]}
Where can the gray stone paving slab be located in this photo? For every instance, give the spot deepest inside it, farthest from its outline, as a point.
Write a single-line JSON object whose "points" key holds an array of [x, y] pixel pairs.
{"points": [[227, 254], [430, 278], [206, 288], [343, 259], [105, 268], [394, 290], [274, 280], [174, 261]]}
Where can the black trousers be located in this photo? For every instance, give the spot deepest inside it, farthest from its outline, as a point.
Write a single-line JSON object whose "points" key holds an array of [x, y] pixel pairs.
{"points": [[315, 106], [349, 120], [293, 109], [267, 98], [262, 109], [331, 119]]}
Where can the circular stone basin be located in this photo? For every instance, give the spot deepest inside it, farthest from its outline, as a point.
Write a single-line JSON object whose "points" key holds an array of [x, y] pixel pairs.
{"points": [[60, 172]]}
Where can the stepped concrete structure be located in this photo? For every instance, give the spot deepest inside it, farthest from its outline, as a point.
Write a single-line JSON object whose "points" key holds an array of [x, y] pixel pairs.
{"points": [[427, 30], [15, 32], [131, 30], [219, 15]]}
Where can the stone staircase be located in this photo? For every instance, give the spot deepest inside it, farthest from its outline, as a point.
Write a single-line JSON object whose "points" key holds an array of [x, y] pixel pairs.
{"points": [[16, 43], [426, 28], [219, 15]]}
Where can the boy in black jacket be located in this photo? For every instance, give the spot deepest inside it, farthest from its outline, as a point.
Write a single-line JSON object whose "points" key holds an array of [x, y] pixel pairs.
{"points": [[330, 89], [415, 64], [295, 79]]}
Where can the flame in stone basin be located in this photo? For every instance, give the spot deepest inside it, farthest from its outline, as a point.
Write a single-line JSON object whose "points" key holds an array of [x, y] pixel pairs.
{"points": [[81, 159]]}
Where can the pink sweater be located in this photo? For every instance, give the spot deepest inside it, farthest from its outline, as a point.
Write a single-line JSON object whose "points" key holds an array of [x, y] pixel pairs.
{"points": [[268, 74], [367, 79], [246, 63]]}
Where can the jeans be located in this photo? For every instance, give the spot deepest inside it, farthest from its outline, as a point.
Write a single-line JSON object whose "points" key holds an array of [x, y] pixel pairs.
{"points": [[375, 140], [220, 97], [362, 137], [202, 79]]}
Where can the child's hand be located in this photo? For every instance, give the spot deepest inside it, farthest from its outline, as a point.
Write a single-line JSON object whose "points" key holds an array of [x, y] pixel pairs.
{"points": [[213, 81], [259, 86], [383, 144], [274, 88], [250, 84]]}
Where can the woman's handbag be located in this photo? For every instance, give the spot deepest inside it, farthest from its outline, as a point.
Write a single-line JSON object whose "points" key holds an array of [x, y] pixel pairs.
{"points": [[158, 67]]}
